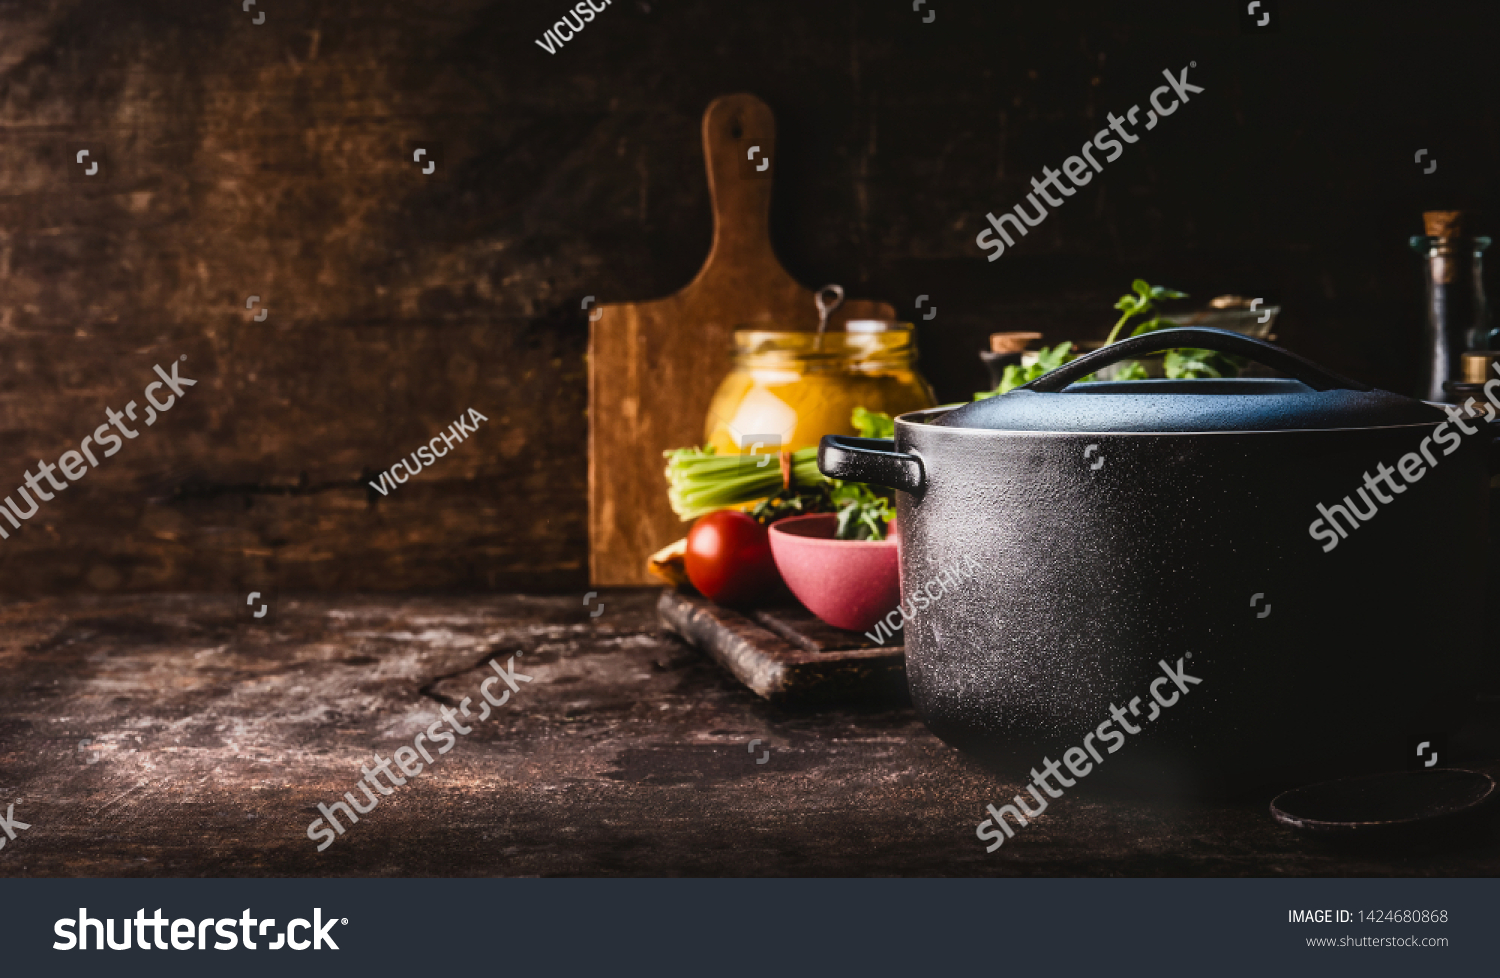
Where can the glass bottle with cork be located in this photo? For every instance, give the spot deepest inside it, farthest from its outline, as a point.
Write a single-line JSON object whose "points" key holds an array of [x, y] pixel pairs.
{"points": [[1457, 316]]}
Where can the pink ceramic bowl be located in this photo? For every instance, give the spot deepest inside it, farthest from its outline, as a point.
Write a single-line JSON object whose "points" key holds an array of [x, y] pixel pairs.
{"points": [[848, 583]]}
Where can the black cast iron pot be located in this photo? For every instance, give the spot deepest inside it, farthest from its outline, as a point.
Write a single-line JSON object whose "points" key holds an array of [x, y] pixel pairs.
{"points": [[1121, 532]]}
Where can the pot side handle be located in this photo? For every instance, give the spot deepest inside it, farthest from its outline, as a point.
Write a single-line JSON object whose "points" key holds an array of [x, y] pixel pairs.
{"points": [[872, 460]]}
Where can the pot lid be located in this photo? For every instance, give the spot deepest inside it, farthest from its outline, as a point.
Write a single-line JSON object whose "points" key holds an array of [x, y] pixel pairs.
{"points": [[1314, 398], [1385, 803]]}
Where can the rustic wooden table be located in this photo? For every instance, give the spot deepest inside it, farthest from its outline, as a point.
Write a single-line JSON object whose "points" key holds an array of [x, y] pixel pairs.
{"points": [[213, 739]]}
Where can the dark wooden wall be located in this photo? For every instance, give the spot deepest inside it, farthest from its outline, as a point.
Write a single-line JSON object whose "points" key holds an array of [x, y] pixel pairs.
{"points": [[275, 160]]}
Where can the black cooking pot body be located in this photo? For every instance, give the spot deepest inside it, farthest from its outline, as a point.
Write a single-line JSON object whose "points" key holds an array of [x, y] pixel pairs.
{"points": [[1145, 570]]}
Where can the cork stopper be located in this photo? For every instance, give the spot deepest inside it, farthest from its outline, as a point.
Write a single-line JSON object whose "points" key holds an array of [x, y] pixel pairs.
{"points": [[1444, 224], [1011, 342]]}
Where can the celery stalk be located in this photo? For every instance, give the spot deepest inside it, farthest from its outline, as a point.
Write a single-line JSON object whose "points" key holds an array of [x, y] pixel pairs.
{"points": [[700, 480]]}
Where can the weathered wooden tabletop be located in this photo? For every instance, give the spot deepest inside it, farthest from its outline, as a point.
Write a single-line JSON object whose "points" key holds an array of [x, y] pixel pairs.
{"points": [[212, 740]]}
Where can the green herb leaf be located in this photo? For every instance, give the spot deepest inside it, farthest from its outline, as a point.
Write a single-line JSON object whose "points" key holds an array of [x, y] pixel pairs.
{"points": [[1140, 304], [793, 502], [1193, 364], [863, 511], [1049, 360], [873, 424], [1015, 375]]}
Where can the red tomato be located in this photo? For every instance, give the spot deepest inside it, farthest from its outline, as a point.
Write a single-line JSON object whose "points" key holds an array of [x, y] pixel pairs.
{"points": [[729, 558]]}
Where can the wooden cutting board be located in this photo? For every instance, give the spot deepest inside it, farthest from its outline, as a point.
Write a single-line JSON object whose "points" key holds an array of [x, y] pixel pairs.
{"points": [[654, 366], [786, 655]]}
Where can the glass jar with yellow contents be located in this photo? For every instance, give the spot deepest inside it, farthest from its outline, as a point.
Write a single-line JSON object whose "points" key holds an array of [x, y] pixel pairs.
{"points": [[788, 390]]}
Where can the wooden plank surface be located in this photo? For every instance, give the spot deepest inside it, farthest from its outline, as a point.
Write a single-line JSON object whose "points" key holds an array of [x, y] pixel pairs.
{"points": [[214, 741], [654, 366]]}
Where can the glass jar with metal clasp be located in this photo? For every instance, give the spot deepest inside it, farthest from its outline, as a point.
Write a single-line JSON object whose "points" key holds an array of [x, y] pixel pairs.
{"points": [[789, 389]]}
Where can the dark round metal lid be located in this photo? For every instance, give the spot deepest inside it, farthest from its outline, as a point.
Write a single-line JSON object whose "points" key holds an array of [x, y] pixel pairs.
{"points": [[1315, 399], [1383, 802]]}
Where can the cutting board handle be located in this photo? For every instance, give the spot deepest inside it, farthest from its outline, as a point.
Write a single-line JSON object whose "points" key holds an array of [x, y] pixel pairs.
{"points": [[739, 139]]}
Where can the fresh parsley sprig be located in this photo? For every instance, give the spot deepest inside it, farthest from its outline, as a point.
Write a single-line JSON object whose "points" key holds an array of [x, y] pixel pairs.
{"points": [[1015, 375], [1140, 301], [1188, 363]]}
